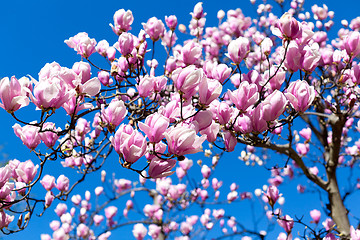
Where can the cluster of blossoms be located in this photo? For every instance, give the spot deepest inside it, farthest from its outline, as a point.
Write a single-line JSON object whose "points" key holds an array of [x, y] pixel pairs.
{"points": [[247, 81]]}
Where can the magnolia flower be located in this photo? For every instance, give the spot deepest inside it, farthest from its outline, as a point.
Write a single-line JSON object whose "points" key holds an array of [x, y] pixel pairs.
{"points": [[183, 140]]}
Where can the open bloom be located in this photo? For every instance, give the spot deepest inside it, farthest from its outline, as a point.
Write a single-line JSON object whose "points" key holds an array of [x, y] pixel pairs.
{"points": [[273, 105], [191, 52], [48, 182], [139, 231], [26, 171], [187, 79], [126, 43], [300, 95], [238, 49], [28, 134], [287, 223], [209, 90], [122, 20], [154, 28], [352, 43], [355, 234], [114, 114], [48, 135], [129, 143], [287, 27], [154, 127], [82, 44], [246, 95], [12, 94], [161, 168], [182, 140]]}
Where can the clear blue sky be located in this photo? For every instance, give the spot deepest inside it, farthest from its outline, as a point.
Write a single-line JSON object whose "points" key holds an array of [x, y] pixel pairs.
{"points": [[33, 34]]}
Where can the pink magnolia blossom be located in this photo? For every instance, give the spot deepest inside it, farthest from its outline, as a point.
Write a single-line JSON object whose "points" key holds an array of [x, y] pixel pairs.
{"points": [[354, 233], [53, 91], [82, 44], [311, 57], [114, 114], [294, 57], [12, 94], [272, 194], [202, 120], [130, 143], [191, 53], [102, 47], [187, 79], [122, 21], [258, 123], [49, 198], [161, 168], [154, 28], [98, 219], [104, 78], [139, 231], [245, 96], [60, 209], [110, 212], [83, 70], [300, 95], [238, 49], [198, 11], [146, 86], [211, 131], [185, 228], [82, 230], [230, 141], [62, 183], [287, 223], [182, 140], [273, 105], [186, 164], [7, 190], [243, 124], [154, 127], [171, 22], [73, 106], [60, 234], [306, 133], [5, 219], [28, 134], [315, 215], [266, 45], [352, 43], [287, 27], [221, 72], [205, 171], [48, 134], [223, 112], [126, 43], [302, 148], [154, 231], [48, 182], [5, 174], [328, 224]]}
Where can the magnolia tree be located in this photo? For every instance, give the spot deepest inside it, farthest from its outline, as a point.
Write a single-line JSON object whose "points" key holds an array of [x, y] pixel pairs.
{"points": [[276, 83]]}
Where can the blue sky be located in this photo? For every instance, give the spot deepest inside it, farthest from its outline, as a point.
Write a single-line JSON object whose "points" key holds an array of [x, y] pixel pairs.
{"points": [[33, 34]]}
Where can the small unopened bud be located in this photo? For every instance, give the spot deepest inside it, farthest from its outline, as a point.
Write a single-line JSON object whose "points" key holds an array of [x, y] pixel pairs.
{"points": [[19, 222], [182, 28], [27, 217], [103, 175], [220, 14]]}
